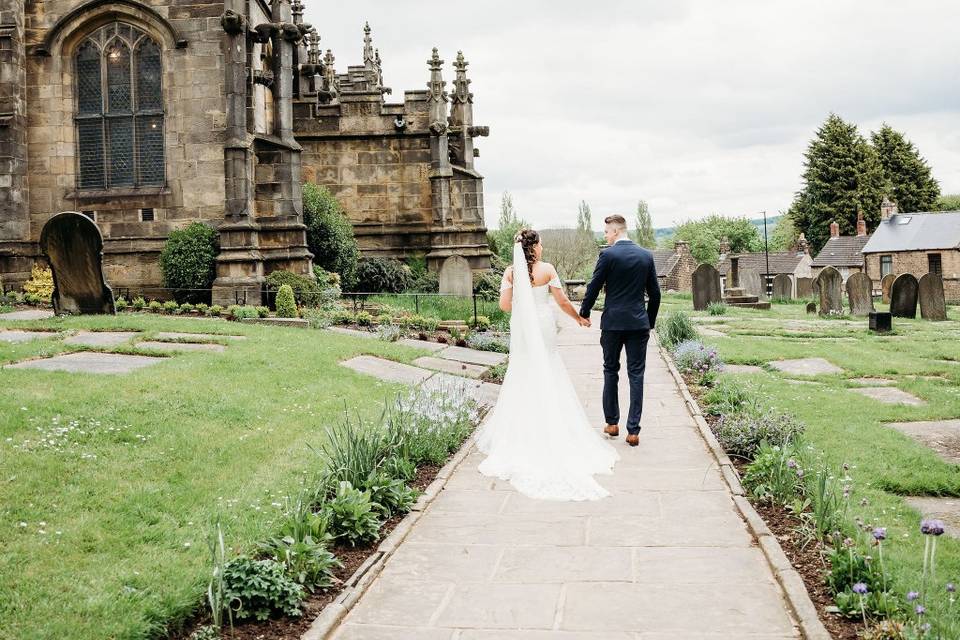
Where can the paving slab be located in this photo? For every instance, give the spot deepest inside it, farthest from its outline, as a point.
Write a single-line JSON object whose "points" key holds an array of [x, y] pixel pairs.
{"points": [[356, 333], [423, 344], [16, 335], [27, 314], [199, 337], [473, 356], [387, 369], [946, 509], [943, 436], [173, 347], [874, 382], [451, 366], [806, 366], [742, 368], [101, 338], [89, 362], [711, 333], [890, 395]]}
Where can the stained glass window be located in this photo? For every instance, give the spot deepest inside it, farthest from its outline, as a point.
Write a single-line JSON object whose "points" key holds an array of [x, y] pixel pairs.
{"points": [[119, 109]]}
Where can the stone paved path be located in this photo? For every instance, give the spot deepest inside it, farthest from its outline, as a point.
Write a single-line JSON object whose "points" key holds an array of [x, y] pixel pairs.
{"points": [[666, 556]]}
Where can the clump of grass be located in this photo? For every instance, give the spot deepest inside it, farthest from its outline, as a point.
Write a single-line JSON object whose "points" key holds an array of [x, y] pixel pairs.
{"points": [[677, 327], [717, 308]]}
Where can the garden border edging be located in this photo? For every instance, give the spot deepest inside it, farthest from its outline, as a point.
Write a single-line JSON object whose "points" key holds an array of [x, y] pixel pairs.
{"points": [[356, 585], [791, 584]]}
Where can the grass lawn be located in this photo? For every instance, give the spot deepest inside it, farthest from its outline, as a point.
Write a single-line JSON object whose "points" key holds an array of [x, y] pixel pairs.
{"points": [[445, 308], [845, 427], [109, 484]]}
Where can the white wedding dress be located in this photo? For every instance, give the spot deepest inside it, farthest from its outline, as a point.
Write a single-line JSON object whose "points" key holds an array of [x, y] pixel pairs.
{"points": [[537, 436]]}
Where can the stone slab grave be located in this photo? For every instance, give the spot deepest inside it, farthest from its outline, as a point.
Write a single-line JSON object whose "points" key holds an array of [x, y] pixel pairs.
{"points": [[874, 382], [176, 335], [456, 277], [16, 335], [711, 333], [946, 509], [422, 344], [89, 362], [806, 366], [73, 246], [27, 314], [860, 294], [742, 368], [101, 338], [890, 395], [451, 366], [387, 369], [473, 356], [356, 333], [783, 286], [181, 346], [943, 436]]}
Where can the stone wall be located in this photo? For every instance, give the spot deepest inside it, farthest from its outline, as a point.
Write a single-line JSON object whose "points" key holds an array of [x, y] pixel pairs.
{"points": [[916, 263], [680, 277]]}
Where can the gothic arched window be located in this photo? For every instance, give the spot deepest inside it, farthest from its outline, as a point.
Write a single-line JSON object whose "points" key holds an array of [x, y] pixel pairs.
{"points": [[119, 109]]}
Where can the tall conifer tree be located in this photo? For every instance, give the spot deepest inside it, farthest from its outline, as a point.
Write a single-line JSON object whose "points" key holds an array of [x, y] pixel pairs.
{"points": [[912, 186]]}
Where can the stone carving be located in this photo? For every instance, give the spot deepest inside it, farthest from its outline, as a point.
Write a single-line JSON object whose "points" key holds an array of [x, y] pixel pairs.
{"points": [[73, 246], [804, 288], [860, 294], [783, 287], [232, 22], [885, 283], [456, 277], [752, 283], [706, 286], [933, 305], [903, 296], [828, 284]]}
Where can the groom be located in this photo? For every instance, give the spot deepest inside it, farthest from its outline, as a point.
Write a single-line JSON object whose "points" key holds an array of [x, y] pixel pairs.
{"points": [[626, 271]]}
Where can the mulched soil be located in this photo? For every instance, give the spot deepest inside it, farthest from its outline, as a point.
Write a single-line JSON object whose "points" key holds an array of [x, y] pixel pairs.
{"points": [[293, 628]]}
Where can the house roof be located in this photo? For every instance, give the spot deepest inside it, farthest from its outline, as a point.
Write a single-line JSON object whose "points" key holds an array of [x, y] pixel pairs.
{"points": [[916, 232], [844, 251], [664, 260], [779, 262]]}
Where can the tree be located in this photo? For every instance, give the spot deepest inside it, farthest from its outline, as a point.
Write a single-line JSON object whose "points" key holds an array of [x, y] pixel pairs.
{"points": [[644, 233], [571, 251], [842, 175], [509, 223], [188, 262], [329, 234], [584, 222], [948, 202], [784, 235], [704, 236], [912, 186]]}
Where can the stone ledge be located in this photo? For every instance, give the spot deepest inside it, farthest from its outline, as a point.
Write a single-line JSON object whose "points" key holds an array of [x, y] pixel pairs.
{"points": [[297, 323]]}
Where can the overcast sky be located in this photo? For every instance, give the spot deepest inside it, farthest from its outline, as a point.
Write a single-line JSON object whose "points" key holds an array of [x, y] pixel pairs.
{"points": [[697, 106]]}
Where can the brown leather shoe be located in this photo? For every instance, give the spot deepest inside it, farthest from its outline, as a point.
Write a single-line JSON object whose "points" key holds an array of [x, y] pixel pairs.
{"points": [[633, 440], [612, 430]]}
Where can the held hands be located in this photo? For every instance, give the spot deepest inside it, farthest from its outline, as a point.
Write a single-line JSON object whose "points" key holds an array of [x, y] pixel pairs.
{"points": [[583, 322]]}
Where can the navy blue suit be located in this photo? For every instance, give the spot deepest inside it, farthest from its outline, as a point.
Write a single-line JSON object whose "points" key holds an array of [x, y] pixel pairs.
{"points": [[627, 272]]}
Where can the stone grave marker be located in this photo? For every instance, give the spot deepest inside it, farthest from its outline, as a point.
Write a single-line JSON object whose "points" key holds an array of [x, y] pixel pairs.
{"points": [[885, 283], [860, 294], [74, 248], [804, 288], [456, 277], [752, 283], [811, 307], [828, 285], [903, 296], [706, 286], [933, 305], [783, 286]]}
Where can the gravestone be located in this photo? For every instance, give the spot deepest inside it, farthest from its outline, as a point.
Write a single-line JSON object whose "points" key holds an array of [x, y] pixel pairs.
{"points": [[860, 294], [783, 287], [933, 305], [885, 283], [73, 246], [881, 321], [804, 288], [706, 286], [734, 278], [903, 296], [752, 283], [811, 307], [456, 277], [828, 285]]}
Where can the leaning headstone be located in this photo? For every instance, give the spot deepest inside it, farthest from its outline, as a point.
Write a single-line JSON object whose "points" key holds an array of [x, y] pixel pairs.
{"points": [[903, 296], [783, 287], [860, 294], [933, 305], [73, 246], [456, 277], [752, 283], [706, 286], [828, 284], [804, 288], [885, 283]]}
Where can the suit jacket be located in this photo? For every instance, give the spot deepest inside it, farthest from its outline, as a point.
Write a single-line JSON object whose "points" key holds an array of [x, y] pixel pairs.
{"points": [[627, 271]]}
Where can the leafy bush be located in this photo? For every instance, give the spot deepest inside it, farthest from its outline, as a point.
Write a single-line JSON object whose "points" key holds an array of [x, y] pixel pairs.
{"points": [[489, 342], [351, 453], [262, 311], [717, 308], [427, 426], [352, 516], [694, 358], [188, 262], [363, 318], [329, 234], [390, 493], [421, 279], [731, 396], [304, 557], [206, 632], [382, 275], [215, 310], [139, 303], [306, 291], [286, 304], [257, 589], [40, 284], [171, 306], [155, 306], [202, 308], [480, 323], [186, 307], [389, 332], [486, 284], [238, 312], [318, 319], [121, 304], [741, 434], [775, 475], [676, 328]]}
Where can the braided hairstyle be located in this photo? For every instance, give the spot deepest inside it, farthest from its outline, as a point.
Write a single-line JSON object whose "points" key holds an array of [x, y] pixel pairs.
{"points": [[528, 239]]}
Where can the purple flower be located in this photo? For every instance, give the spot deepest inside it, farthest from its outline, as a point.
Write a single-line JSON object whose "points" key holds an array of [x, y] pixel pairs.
{"points": [[799, 473], [932, 527], [848, 542], [951, 588], [860, 588], [912, 595], [791, 463], [920, 609], [880, 533]]}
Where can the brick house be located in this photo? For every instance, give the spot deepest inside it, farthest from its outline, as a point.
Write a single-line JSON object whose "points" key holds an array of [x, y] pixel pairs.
{"points": [[844, 253], [675, 267], [796, 263], [916, 243]]}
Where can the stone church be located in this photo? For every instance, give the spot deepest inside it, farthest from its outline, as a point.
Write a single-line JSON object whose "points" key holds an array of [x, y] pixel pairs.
{"points": [[147, 115]]}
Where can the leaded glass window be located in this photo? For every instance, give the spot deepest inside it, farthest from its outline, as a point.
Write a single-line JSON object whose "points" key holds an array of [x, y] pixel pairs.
{"points": [[119, 109]]}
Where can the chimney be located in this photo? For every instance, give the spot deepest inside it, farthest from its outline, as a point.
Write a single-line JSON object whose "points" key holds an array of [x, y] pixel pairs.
{"points": [[834, 230], [861, 225], [724, 248], [887, 209], [682, 248], [803, 247]]}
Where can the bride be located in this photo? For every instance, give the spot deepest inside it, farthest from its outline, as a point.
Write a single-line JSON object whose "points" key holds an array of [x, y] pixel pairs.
{"points": [[537, 436]]}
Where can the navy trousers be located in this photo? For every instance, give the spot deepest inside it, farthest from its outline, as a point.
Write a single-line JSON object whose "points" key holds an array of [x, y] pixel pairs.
{"points": [[613, 343]]}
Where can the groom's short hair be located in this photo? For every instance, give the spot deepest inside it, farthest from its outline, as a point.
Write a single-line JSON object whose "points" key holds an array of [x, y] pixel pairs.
{"points": [[617, 221]]}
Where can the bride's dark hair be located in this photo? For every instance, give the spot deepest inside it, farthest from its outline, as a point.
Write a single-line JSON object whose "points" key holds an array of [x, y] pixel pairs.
{"points": [[528, 239]]}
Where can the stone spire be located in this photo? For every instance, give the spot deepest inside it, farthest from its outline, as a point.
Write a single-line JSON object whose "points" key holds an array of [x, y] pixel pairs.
{"points": [[296, 10], [369, 60], [461, 85], [437, 95], [378, 67], [330, 92], [313, 52]]}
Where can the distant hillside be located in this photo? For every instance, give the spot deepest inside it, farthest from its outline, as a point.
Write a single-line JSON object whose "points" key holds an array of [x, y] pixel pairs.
{"points": [[664, 233]]}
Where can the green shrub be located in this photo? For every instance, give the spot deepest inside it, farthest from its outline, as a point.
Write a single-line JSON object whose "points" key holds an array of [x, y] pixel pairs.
{"points": [[390, 494], [242, 312], [350, 453], [202, 308], [381, 275], [486, 284], [262, 312], [170, 306], [775, 475], [742, 434], [206, 632], [676, 328], [305, 559], [329, 234], [215, 310], [188, 262], [257, 589], [481, 323], [186, 307], [717, 308], [306, 291], [389, 332], [121, 303], [286, 304], [363, 318], [696, 359], [353, 516], [155, 306], [39, 287], [731, 396], [139, 303], [489, 342]]}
